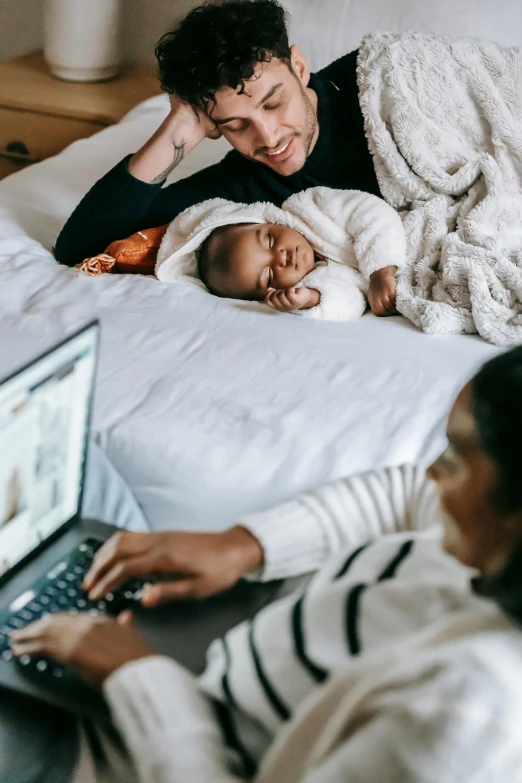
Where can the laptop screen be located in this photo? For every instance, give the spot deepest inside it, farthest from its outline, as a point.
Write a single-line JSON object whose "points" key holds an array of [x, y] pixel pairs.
{"points": [[44, 420]]}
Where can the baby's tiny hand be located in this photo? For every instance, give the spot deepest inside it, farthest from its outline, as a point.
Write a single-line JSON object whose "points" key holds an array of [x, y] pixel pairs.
{"points": [[288, 299], [382, 292]]}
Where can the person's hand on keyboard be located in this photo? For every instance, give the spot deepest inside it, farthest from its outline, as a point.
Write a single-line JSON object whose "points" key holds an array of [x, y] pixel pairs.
{"points": [[201, 564], [92, 647]]}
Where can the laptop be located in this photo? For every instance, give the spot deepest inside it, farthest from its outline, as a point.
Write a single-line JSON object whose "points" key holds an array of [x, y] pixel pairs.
{"points": [[46, 548]]}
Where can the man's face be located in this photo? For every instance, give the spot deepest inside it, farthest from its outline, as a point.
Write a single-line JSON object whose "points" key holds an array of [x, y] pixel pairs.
{"points": [[274, 121]]}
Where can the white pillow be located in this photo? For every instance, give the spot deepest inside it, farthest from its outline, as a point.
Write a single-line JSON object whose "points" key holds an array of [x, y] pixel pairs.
{"points": [[327, 29]]}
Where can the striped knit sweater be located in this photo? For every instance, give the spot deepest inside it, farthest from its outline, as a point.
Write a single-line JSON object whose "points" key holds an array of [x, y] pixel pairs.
{"points": [[357, 602], [387, 643]]}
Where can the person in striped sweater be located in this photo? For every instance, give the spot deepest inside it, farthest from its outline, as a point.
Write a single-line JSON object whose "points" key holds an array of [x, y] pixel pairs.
{"points": [[399, 662]]}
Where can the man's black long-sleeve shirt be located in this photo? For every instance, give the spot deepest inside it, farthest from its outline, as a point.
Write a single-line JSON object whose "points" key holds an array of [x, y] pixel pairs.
{"points": [[120, 204]]}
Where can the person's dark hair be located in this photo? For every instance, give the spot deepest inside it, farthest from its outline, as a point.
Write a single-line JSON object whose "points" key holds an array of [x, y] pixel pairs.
{"points": [[209, 261], [497, 408], [497, 404], [204, 258], [220, 44]]}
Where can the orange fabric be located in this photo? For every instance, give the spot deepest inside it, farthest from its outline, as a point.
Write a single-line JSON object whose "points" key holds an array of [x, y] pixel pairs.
{"points": [[135, 255]]}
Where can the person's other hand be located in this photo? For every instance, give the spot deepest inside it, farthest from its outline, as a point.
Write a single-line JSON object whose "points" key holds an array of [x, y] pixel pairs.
{"points": [[200, 564], [288, 299], [92, 647], [197, 123], [382, 292]]}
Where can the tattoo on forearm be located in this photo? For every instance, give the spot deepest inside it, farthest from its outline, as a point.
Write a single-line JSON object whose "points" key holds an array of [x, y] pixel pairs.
{"points": [[179, 154]]}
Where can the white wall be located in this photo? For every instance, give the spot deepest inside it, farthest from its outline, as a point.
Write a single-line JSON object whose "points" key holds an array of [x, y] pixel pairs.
{"points": [[20, 27], [144, 21], [340, 23]]}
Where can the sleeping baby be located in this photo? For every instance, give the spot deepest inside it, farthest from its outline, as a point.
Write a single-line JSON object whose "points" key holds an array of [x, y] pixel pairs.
{"points": [[322, 254]]}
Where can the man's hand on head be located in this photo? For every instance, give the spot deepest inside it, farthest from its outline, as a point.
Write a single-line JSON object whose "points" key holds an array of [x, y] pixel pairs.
{"points": [[179, 133], [382, 293], [289, 299], [197, 123], [199, 564]]}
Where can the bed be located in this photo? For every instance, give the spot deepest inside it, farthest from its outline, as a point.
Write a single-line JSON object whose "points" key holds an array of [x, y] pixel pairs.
{"points": [[212, 408]]}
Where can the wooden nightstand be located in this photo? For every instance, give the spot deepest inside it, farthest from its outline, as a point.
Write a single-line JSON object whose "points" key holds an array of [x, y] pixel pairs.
{"points": [[41, 115]]}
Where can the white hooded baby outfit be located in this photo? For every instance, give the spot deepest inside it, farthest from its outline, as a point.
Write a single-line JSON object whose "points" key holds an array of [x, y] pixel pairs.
{"points": [[356, 232]]}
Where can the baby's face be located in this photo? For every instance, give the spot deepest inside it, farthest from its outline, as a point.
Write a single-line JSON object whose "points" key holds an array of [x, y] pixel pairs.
{"points": [[259, 257]]}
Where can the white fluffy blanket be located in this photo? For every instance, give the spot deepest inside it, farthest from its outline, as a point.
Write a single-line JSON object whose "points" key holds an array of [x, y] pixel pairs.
{"points": [[443, 120]]}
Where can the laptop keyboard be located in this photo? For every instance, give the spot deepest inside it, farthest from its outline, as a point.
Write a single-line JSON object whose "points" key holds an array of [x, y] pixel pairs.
{"points": [[60, 591]]}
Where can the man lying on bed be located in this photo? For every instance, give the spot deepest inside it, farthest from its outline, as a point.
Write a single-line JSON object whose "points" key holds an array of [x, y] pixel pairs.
{"points": [[229, 70]]}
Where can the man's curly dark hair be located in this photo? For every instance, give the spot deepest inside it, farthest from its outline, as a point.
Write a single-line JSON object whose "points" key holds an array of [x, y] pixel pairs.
{"points": [[219, 44]]}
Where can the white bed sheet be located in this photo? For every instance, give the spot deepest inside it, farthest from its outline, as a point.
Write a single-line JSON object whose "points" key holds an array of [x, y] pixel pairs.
{"points": [[212, 408]]}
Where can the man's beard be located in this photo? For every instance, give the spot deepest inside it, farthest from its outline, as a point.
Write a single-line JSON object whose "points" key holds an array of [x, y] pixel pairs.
{"points": [[310, 125]]}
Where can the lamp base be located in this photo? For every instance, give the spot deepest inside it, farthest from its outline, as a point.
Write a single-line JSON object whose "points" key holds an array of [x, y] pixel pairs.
{"points": [[69, 74]]}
